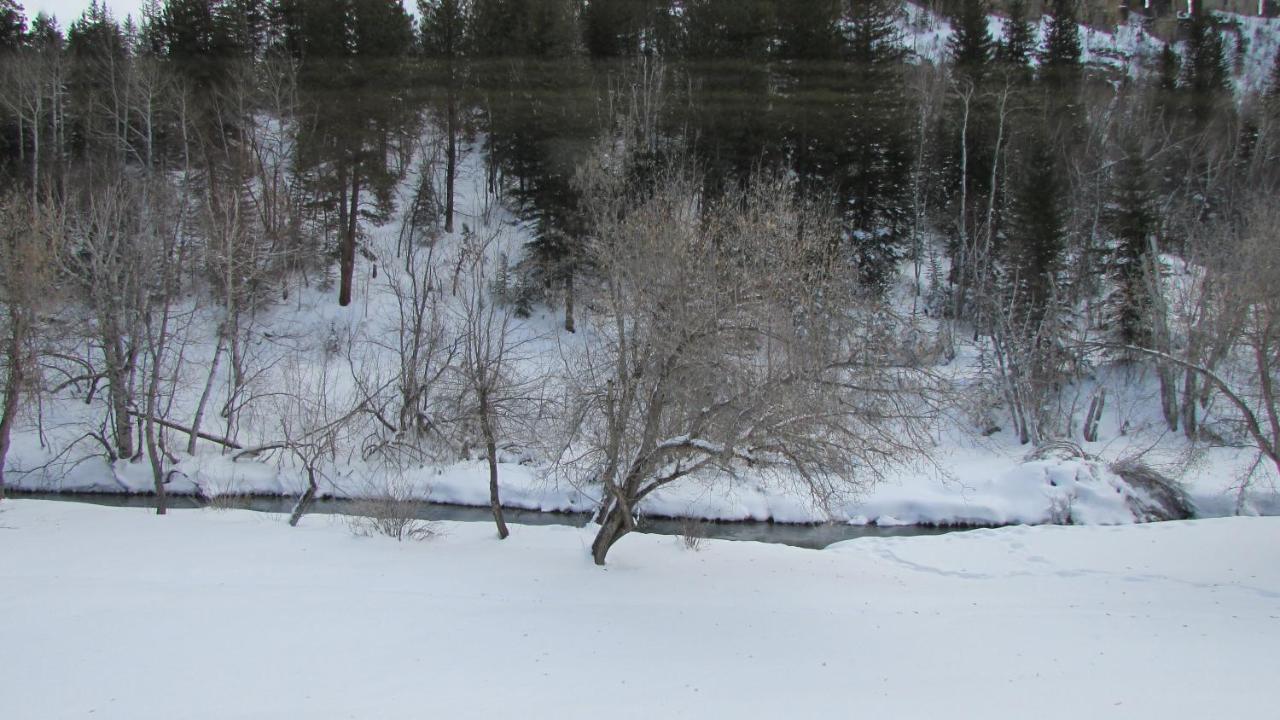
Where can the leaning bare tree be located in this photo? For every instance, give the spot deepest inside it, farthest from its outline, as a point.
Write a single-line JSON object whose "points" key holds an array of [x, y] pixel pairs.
{"points": [[730, 338]]}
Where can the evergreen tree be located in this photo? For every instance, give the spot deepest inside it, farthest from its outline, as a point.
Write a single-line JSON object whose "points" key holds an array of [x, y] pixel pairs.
{"points": [[97, 52], [552, 30], [872, 34], [1036, 236], [444, 26], [728, 28], [1170, 68], [45, 34], [971, 46], [13, 25], [1019, 43], [809, 29], [312, 29], [1132, 222], [244, 25], [514, 28], [1060, 60], [1206, 77], [618, 28], [380, 29], [187, 33]]}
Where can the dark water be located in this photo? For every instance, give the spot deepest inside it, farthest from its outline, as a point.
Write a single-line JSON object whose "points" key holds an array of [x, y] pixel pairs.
{"points": [[804, 536]]}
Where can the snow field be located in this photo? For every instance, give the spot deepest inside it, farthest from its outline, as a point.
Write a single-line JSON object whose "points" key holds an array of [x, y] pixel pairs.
{"points": [[204, 614]]}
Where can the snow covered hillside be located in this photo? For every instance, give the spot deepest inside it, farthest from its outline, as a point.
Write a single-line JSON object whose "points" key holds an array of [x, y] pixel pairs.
{"points": [[205, 614], [1129, 49], [312, 361]]}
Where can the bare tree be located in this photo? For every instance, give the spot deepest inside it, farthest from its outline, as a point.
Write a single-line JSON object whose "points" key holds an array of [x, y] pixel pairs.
{"points": [[494, 395], [28, 251], [732, 339]]}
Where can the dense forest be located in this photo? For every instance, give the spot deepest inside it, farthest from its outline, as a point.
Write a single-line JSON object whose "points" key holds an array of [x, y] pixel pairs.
{"points": [[767, 230]]}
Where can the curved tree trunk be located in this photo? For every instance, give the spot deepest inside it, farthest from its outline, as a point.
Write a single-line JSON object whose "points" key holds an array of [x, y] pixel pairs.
{"points": [[304, 502], [491, 452], [616, 525]]}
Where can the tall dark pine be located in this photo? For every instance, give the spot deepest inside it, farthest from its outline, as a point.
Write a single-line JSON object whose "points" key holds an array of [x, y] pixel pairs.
{"points": [[444, 27], [1206, 77], [1060, 59], [13, 25], [1019, 43], [497, 27], [619, 28], [971, 46], [244, 24], [1036, 237], [97, 52], [1132, 222], [380, 29], [45, 33], [728, 28], [516, 28], [872, 32], [312, 29], [871, 176], [809, 29]]}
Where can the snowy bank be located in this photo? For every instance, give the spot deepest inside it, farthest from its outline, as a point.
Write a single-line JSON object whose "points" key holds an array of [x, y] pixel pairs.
{"points": [[205, 614]]}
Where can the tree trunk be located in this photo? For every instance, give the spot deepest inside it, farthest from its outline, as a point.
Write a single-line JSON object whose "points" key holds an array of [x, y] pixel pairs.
{"points": [[347, 249], [12, 390], [1168, 395], [118, 391], [204, 396], [491, 452], [304, 502], [451, 162], [569, 324], [617, 523]]}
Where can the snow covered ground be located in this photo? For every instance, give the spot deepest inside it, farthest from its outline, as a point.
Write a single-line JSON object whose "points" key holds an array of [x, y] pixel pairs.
{"points": [[205, 614]]}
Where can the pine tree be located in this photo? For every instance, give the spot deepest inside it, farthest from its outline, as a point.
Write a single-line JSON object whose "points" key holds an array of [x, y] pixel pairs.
{"points": [[728, 28], [45, 33], [13, 25], [1060, 60], [244, 24], [187, 33], [1206, 77], [444, 26], [514, 28], [971, 46], [872, 33], [1131, 219], [1019, 42], [618, 28], [552, 29], [496, 27], [1036, 236], [809, 29], [380, 28], [1170, 68]]}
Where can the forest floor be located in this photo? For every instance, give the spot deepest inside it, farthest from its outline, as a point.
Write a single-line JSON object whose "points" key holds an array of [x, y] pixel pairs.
{"points": [[230, 614]]}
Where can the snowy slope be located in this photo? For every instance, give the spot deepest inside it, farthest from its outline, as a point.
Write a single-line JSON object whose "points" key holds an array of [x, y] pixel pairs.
{"points": [[203, 614], [1128, 48]]}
